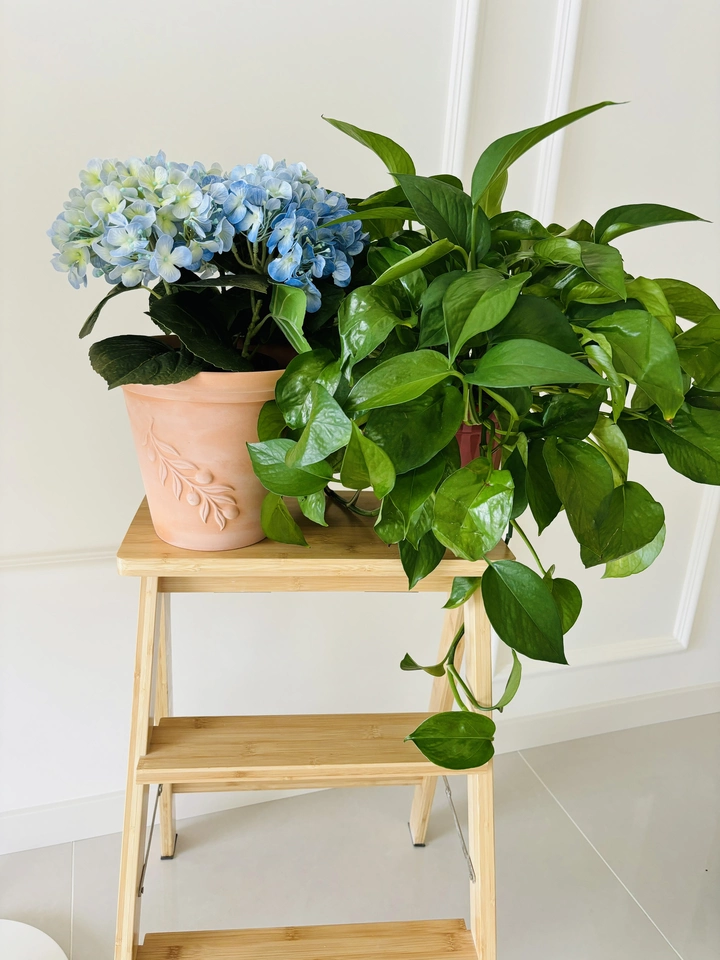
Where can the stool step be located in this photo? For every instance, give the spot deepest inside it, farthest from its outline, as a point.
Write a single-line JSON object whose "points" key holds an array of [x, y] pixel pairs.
{"points": [[285, 752], [413, 940]]}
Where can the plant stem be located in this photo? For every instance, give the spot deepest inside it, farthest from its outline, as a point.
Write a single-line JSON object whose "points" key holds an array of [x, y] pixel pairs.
{"points": [[473, 240], [167, 287], [150, 290], [254, 323], [350, 504], [516, 526], [239, 259], [458, 699]]}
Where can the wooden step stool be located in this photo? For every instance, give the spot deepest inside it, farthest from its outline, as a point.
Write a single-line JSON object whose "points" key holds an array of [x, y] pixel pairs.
{"points": [[194, 754]]}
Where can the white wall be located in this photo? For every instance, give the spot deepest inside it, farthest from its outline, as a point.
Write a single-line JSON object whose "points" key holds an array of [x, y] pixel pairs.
{"points": [[228, 84]]}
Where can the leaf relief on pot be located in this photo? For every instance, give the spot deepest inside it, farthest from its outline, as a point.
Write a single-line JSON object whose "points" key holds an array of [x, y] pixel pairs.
{"points": [[195, 483]]}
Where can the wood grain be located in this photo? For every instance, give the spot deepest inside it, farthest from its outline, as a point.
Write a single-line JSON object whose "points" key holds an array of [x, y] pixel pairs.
{"points": [[409, 940], [441, 699], [481, 822], [348, 548], [266, 751]]}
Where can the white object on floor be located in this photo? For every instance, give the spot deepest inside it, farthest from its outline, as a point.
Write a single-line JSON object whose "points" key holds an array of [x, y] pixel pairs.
{"points": [[19, 941]]}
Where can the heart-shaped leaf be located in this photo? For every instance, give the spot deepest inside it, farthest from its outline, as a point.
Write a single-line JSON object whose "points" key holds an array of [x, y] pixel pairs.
{"points": [[472, 509], [637, 216], [492, 307], [526, 363], [268, 460], [521, 609], [398, 380], [327, 430], [277, 522], [366, 464], [457, 741], [462, 589]]}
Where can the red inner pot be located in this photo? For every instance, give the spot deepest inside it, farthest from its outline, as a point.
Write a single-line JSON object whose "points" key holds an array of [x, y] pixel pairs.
{"points": [[468, 438]]}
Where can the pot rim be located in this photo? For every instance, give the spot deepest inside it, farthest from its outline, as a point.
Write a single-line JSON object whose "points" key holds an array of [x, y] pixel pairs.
{"points": [[213, 386]]}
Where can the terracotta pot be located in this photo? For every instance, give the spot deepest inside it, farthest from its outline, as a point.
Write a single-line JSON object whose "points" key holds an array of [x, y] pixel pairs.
{"points": [[468, 438], [190, 439]]}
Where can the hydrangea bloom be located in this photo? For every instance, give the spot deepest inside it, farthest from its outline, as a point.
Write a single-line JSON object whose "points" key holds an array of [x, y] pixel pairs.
{"points": [[141, 220]]}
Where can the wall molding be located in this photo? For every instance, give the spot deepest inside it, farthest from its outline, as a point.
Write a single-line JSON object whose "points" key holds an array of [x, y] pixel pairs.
{"points": [[462, 63], [562, 72], [97, 816], [697, 563]]}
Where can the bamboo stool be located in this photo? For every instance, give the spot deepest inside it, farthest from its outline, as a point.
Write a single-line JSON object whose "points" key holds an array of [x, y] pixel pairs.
{"points": [[196, 754]]}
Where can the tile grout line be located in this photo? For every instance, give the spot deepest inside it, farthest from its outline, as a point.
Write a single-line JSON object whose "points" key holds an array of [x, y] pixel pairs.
{"points": [[595, 849], [72, 898]]}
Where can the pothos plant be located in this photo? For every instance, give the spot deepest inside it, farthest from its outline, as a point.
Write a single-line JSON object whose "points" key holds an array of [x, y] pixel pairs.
{"points": [[463, 316]]}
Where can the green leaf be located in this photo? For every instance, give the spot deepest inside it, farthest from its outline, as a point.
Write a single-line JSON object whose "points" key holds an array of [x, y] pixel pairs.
{"points": [[649, 293], [327, 430], [462, 589], [568, 600], [542, 496], [644, 351], [638, 434], [512, 686], [87, 327], [390, 524], [515, 225], [313, 507], [637, 216], [268, 460], [584, 482], [638, 561], [702, 398], [699, 352], [492, 307], [570, 416], [458, 740], [366, 464], [502, 153], [412, 433], [365, 319], [686, 300], [421, 258], [185, 315], [632, 521], [278, 524], [398, 380], [472, 509], [444, 209], [533, 318], [287, 308], [613, 441], [518, 471], [604, 264], [463, 295], [135, 359], [374, 213], [521, 609], [435, 670], [392, 154], [246, 281], [691, 444], [601, 360], [419, 562], [526, 363], [271, 422], [432, 321], [392, 254], [491, 200], [293, 389], [412, 489]]}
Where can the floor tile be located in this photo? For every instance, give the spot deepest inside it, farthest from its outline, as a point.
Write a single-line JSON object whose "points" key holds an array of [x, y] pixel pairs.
{"points": [[345, 856], [36, 888], [649, 799]]}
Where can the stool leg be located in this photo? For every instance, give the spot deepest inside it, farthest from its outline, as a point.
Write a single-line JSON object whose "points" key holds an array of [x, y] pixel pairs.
{"points": [[163, 708], [481, 823], [136, 796], [441, 699]]}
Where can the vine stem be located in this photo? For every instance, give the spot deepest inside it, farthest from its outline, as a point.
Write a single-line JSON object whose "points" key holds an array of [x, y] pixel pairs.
{"points": [[254, 323], [516, 526], [150, 290], [239, 259], [350, 504]]}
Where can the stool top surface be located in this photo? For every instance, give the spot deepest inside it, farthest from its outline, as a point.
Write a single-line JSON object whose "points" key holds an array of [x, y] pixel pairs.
{"points": [[348, 546]]}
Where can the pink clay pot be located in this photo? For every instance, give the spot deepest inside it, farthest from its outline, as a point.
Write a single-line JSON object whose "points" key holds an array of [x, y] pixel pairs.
{"points": [[190, 439]]}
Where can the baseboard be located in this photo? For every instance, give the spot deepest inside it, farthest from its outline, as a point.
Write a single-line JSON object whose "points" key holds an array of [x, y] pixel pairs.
{"points": [[96, 816]]}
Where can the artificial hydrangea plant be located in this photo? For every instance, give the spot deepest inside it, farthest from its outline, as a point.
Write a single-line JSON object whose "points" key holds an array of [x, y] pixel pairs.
{"points": [[220, 254]]}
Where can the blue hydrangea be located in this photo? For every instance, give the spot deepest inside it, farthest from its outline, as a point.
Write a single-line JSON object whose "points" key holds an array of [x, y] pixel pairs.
{"points": [[142, 220]]}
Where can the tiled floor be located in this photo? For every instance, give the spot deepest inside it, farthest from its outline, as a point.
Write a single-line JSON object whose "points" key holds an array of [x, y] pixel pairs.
{"points": [[607, 849]]}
